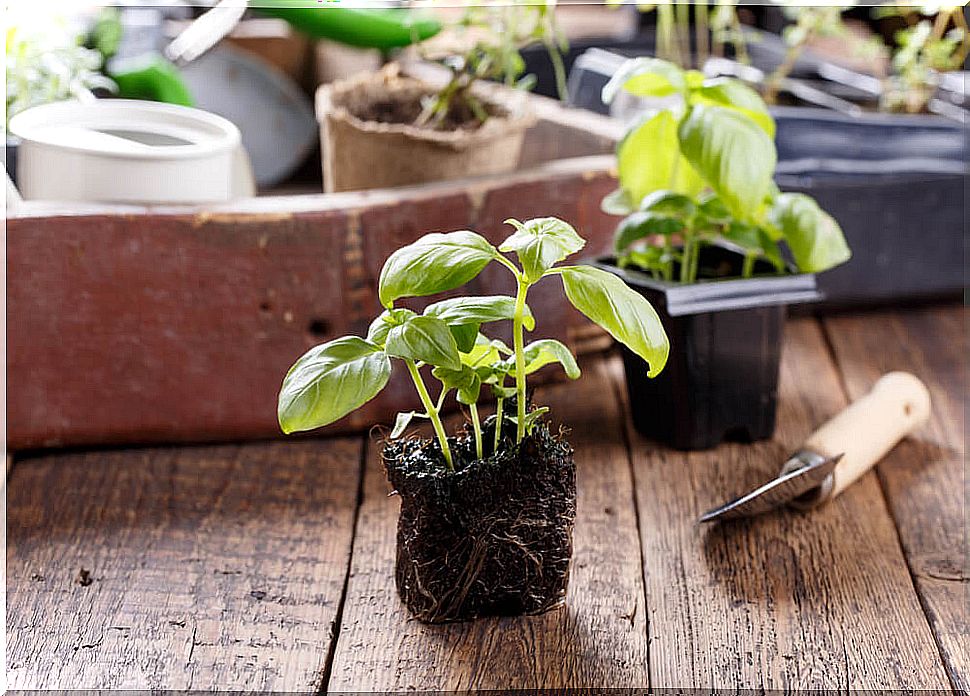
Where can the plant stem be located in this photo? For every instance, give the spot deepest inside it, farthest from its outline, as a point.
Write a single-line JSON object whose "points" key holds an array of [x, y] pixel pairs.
{"points": [[519, 347], [683, 32], [432, 412], [748, 268], [499, 403], [685, 262], [477, 425], [701, 24]]}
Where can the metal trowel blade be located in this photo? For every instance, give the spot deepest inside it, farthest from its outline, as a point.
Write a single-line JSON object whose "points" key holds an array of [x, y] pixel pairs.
{"points": [[776, 492]]}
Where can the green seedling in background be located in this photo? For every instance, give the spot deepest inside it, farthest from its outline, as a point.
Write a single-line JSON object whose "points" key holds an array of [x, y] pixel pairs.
{"points": [[700, 171]]}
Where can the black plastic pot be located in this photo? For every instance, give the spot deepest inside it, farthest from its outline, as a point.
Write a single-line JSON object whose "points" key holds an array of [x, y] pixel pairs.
{"points": [[721, 379], [897, 185], [492, 538]]}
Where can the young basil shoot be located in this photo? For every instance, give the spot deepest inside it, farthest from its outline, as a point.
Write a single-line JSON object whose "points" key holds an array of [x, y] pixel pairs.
{"points": [[337, 377], [700, 172]]}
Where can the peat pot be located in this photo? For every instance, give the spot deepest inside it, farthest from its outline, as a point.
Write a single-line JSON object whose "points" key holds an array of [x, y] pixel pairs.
{"points": [[721, 379], [369, 139], [493, 537]]}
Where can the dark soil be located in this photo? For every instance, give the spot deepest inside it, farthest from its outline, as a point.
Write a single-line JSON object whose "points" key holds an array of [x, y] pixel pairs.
{"points": [[493, 537], [405, 106]]}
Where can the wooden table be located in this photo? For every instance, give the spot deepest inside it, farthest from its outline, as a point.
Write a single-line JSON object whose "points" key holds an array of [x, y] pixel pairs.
{"points": [[269, 566]]}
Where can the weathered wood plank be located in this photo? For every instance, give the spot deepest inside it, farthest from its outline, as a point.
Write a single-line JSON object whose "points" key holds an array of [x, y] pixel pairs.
{"points": [[925, 477], [111, 304], [821, 600], [209, 568], [597, 640]]}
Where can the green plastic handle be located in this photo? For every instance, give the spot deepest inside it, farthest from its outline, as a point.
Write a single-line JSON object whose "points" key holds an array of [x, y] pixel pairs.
{"points": [[377, 28], [157, 80]]}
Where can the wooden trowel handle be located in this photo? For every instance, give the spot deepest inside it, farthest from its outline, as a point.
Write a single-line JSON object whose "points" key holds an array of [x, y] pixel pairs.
{"points": [[865, 431]]}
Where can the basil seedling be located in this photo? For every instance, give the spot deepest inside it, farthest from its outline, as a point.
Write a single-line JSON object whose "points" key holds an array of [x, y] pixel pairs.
{"points": [[700, 171], [333, 379]]}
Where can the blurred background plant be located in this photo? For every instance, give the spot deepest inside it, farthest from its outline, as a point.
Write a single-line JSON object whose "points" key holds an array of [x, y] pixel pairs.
{"points": [[936, 41], [46, 60], [488, 46]]}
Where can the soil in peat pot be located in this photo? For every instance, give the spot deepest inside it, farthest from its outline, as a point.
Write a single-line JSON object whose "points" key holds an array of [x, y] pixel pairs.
{"points": [[403, 105], [493, 537]]}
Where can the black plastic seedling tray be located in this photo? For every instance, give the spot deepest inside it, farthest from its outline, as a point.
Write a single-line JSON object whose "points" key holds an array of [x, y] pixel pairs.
{"points": [[721, 379]]}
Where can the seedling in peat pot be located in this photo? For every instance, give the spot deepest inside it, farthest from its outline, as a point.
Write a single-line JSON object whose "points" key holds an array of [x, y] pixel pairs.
{"points": [[486, 520]]}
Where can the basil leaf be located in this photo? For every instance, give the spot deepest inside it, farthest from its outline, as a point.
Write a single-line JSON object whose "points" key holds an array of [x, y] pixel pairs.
{"points": [[485, 352], [478, 310], [617, 202], [464, 380], [540, 353], [733, 154], [625, 314], [424, 339], [465, 335], [329, 381], [402, 421], [814, 237], [434, 263], [501, 392], [649, 159], [380, 327], [531, 418], [669, 203], [643, 224], [645, 77], [733, 94], [540, 243]]}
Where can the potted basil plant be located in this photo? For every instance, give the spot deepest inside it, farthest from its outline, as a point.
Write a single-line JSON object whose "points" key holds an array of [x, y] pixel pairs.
{"points": [[387, 129], [487, 513], [712, 243]]}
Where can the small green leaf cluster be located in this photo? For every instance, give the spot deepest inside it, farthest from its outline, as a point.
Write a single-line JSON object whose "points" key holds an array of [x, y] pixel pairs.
{"points": [[337, 377], [701, 172], [499, 31]]}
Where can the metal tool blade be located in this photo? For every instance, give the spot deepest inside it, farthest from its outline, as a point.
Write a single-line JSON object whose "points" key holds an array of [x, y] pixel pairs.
{"points": [[783, 489]]}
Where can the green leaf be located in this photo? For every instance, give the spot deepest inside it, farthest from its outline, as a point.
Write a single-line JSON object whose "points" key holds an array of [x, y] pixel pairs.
{"points": [[478, 310], [329, 381], [434, 263], [540, 353], [424, 339], [464, 380], [645, 77], [485, 352], [733, 94], [732, 153], [531, 418], [669, 203], [540, 243], [814, 237], [380, 327], [713, 210], [617, 202], [624, 313], [639, 225], [465, 335], [402, 421], [649, 159], [502, 392]]}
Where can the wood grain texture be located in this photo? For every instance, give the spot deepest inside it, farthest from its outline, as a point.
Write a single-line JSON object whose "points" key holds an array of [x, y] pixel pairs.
{"points": [[210, 568], [924, 477], [597, 640], [788, 600]]}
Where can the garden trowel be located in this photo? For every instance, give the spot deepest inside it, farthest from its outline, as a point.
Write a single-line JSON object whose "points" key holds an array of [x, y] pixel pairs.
{"points": [[841, 451]]}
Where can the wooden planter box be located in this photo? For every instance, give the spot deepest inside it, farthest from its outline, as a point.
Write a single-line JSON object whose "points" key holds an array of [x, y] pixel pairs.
{"points": [[129, 324]]}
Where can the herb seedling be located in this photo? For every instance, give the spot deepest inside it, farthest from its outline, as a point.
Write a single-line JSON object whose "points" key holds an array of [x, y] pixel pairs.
{"points": [[502, 31], [701, 172], [337, 377]]}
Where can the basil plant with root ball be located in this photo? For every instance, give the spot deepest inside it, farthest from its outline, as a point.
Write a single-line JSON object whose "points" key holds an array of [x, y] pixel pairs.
{"points": [[446, 339], [700, 172]]}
